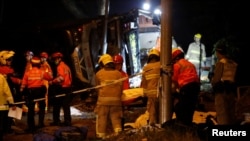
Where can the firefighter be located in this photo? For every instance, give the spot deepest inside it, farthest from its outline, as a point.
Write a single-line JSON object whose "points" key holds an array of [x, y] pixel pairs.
{"points": [[46, 67], [6, 99], [188, 84], [7, 70], [196, 53], [224, 85], [33, 81], [11, 77], [109, 103], [149, 83], [118, 61], [62, 84]]}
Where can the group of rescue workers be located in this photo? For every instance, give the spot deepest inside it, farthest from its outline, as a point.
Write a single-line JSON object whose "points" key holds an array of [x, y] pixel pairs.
{"points": [[38, 77], [34, 85]]}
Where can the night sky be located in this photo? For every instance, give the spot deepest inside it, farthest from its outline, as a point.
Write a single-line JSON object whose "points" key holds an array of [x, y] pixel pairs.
{"points": [[214, 19]]}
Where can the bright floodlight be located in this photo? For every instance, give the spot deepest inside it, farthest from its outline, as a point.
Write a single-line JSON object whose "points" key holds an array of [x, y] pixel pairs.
{"points": [[157, 11], [146, 6]]}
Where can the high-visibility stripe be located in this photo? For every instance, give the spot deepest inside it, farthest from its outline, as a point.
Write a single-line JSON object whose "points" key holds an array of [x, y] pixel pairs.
{"points": [[152, 76], [101, 98]]}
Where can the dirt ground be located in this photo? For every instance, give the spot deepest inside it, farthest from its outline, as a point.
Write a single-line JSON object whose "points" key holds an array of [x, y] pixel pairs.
{"points": [[82, 117]]}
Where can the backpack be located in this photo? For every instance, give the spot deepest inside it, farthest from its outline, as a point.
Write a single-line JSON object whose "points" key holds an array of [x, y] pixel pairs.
{"points": [[71, 133], [44, 137]]}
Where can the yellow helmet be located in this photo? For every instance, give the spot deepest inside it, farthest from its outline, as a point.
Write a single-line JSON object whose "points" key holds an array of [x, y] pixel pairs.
{"points": [[154, 51], [198, 35], [4, 55], [105, 59]]}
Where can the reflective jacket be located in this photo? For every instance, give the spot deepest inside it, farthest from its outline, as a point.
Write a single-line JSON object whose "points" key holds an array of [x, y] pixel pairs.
{"points": [[8, 71], [5, 94], [46, 67], [193, 53], [110, 94], [63, 76], [34, 78], [150, 79], [125, 82], [225, 70], [184, 72]]}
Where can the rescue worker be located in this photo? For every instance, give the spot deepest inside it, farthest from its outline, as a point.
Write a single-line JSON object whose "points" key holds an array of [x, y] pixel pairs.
{"points": [[6, 69], [28, 56], [118, 61], [33, 81], [6, 101], [13, 81], [62, 84], [46, 67], [149, 83], [109, 105], [196, 54], [188, 84], [224, 85]]}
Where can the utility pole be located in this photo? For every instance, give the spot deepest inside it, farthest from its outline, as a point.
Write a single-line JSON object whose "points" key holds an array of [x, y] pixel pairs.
{"points": [[165, 100]]}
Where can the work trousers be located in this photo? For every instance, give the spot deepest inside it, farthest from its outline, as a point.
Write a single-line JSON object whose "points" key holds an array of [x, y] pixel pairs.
{"points": [[153, 110], [35, 93], [104, 113], [5, 123], [187, 101], [225, 108], [64, 103]]}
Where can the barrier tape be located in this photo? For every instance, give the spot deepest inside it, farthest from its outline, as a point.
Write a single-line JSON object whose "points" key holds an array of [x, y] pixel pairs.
{"points": [[88, 89]]}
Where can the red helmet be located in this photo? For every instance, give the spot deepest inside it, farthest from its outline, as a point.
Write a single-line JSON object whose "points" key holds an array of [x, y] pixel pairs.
{"points": [[176, 52], [57, 55], [44, 55], [118, 59]]}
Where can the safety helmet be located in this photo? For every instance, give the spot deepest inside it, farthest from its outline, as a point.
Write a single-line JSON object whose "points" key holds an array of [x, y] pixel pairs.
{"points": [[198, 35], [154, 51], [105, 59], [35, 60], [44, 55], [30, 53], [57, 55], [221, 46], [176, 52], [118, 59], [4, 55]]}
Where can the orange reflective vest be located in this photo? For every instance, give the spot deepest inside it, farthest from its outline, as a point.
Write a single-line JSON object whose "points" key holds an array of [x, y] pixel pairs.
{"points": [[34, 78], [63, 76], [184, 72], [125, 82]]}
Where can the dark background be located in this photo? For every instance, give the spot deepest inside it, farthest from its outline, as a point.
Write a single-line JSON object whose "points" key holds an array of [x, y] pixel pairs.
{"points": [[214, 19]]}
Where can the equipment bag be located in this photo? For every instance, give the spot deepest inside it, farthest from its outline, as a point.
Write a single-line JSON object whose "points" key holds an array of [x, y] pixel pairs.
{"points": [[43, 137], [71, 133]]}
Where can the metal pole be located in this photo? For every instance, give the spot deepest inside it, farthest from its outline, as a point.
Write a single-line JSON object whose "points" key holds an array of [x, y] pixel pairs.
{"points": [[104, 49], [166, 51]]}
